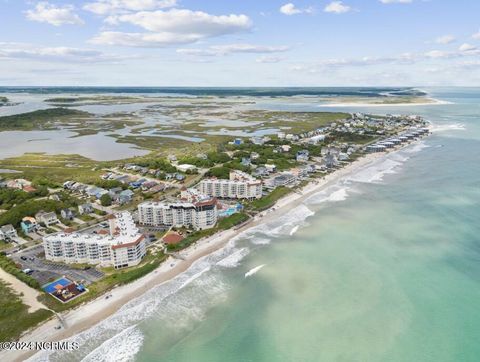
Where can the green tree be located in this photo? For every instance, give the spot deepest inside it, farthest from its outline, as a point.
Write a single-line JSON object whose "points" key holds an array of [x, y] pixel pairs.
{"points": [[106, 200]]}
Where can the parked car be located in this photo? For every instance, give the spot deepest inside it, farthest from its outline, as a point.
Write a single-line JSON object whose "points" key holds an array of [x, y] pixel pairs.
{"points": [[23, 257]]}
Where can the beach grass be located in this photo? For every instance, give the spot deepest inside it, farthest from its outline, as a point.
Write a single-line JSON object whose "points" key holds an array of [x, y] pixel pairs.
{"points": [[269, 200], [223, 224], [14, 316]]}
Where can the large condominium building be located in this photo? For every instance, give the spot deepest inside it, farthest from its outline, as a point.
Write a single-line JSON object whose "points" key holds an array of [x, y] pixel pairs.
{"points": [[240, 186], [198, 215], [122, 246]]}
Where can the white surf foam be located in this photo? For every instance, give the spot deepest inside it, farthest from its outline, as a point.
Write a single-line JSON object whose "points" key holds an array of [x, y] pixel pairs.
{"points": [[414, 148], [121, 348], [334, 193], [448, 127], [259, 241], [294, 230], [281, 225], [376, 171], [254, 271], [233, 260]]}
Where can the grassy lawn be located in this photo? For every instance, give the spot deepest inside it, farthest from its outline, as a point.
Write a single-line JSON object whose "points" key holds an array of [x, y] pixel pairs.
{"points": [[4, 245], [86, 217], [269, 200], [14, 316], [113, 279]]}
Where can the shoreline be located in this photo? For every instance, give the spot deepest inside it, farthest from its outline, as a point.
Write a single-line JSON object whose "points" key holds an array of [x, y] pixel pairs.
{"points": [[93, 312], [433, 102]]}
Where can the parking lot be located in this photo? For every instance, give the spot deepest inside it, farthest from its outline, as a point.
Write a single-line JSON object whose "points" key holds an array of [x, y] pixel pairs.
{"points": [[46, 271]]}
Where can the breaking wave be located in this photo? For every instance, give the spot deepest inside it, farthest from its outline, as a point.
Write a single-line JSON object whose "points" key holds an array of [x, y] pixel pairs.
{"points": [[448, 127], [233, 260], [254, 271], [121, 348]]}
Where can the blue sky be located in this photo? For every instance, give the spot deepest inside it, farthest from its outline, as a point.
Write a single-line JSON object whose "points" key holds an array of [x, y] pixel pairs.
{"points": [[240, 43]]}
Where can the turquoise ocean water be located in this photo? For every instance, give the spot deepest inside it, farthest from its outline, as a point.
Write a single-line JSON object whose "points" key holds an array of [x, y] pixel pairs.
{"points": [[382, 266]]}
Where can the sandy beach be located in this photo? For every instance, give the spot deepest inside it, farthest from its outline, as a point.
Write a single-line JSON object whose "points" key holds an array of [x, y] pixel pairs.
{"points": [[93, 312]]}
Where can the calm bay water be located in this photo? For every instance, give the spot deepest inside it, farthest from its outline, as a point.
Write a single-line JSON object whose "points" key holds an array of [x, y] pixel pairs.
{"points": [[382, 266]]}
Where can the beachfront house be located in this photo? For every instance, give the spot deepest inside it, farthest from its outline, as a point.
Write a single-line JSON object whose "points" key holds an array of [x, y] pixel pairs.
{"points": [[257, 140], [260, 172], [67, 214], [316, 139], [125, 197], [29, 225], [246, 161], [8, 232], [85, 209], [283, 179], [185, 167], [302, 156], [47, 218], [271, 168]]}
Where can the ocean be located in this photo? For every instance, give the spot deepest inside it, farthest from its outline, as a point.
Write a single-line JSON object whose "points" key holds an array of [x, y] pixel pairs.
{"points": [[382, 266]]}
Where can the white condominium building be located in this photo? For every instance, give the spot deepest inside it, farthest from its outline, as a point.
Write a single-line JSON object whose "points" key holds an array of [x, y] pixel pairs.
{"points": [[122, 246], [240, 186], [198, 215]]}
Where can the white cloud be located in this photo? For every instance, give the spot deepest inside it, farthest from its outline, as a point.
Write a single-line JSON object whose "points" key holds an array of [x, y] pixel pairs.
{"points": [[469, 64], [183, 21], [218, 50], [108, 7], [446, 39], [476, 35], [464, 51], [291, 9], [467, 48], [337, 7], [45, 12], [57, 54], [437, 54], [396, 1], [268, 59], [175, 26], [146, 40]]}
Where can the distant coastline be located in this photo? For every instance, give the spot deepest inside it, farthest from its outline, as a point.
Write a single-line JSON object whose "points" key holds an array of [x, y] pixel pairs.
{"points": [[226, 91], [421, 102]]}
